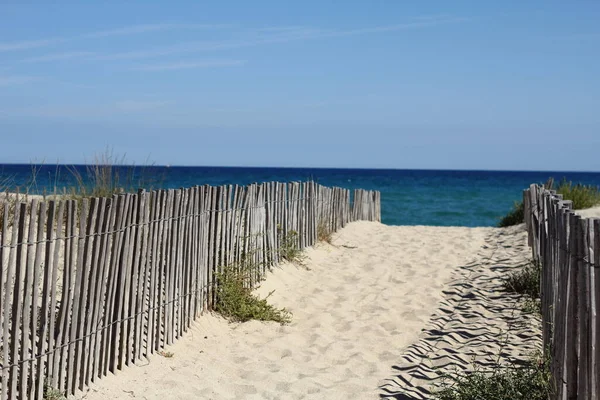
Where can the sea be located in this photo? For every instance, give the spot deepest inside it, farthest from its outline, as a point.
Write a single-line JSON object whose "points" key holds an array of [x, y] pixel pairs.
{"points": [[408, 197]]}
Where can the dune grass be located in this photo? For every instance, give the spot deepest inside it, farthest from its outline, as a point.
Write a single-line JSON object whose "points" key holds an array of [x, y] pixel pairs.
{"points": [[110, 174], [532, 381], [582, 196], [289, 248], [235, 300], [324, 234], [51, 393], [526, 281]]}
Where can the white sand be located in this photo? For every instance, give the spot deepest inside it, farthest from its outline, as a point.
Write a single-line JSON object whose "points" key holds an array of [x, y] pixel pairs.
{"points": [[358, 307], [593, 212]]}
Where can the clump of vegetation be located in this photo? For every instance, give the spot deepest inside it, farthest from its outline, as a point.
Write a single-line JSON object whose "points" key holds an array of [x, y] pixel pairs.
{"points": [[582, 196], [514, 217], [526, 281], [51, 393], [235, 300], [324, 234], [532, 381], [289, 248], [532, 306], [108, 175]]}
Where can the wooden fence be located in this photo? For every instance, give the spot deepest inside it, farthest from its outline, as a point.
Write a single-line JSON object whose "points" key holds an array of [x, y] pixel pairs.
{"points": [[568, 248], [87, 288]]}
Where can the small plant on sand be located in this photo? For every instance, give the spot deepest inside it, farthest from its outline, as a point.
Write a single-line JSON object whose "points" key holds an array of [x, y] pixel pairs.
{"points": [[514, 217], [289, 249], [235, 300], [532, 381], [324, 234], [51, 393], [526, 281]]}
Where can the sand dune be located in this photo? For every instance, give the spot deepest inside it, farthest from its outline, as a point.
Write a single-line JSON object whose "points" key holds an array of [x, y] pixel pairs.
{"points": [[360, 307]]}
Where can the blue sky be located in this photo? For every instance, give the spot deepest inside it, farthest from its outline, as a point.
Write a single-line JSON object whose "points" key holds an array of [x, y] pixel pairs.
{"points": [[381, 84]]}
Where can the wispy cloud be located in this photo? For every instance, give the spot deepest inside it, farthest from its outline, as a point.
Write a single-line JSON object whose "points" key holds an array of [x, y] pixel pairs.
{"points": [[138, 29], [16, 80], [274, 35], [28, 44], [58, 56], [190, 65], [124, 31]]}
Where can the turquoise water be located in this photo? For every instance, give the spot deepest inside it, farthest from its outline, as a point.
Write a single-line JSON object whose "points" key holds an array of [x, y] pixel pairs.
{"points": [[408, 197]]}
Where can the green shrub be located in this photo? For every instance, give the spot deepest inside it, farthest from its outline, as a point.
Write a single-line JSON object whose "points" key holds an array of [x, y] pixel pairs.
{"points": [[582, 196], [514, 217], [532, 381], [235, 300]]}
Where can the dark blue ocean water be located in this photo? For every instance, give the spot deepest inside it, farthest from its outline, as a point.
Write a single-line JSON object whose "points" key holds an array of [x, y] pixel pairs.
{"points": [[409, 197]]}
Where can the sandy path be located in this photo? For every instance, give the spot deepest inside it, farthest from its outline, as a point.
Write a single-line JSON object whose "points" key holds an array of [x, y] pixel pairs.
{"points": [[477, 321], [356, 309]]}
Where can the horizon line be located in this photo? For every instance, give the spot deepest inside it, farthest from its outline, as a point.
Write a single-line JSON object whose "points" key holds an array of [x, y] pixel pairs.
{"points": [[296, 167]]}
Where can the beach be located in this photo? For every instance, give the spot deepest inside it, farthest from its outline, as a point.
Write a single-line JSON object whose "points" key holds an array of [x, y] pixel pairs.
{"points": [[365, 309]]}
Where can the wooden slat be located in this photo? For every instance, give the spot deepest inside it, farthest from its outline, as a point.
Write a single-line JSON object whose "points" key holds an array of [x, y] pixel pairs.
{"points": [[3, 267], [53, 342], [593, 370], [572, 314], [7, 352], [583, 310], [136, 279], [595, 311], [212, 237], [178, 282], [37, 382], [125, 317], [43, 366], [122, 301], [190, 261], [154, 256], [162, 270], [75, 325], [28, 288], [141, 310], [17, 300], [66, 295]]}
